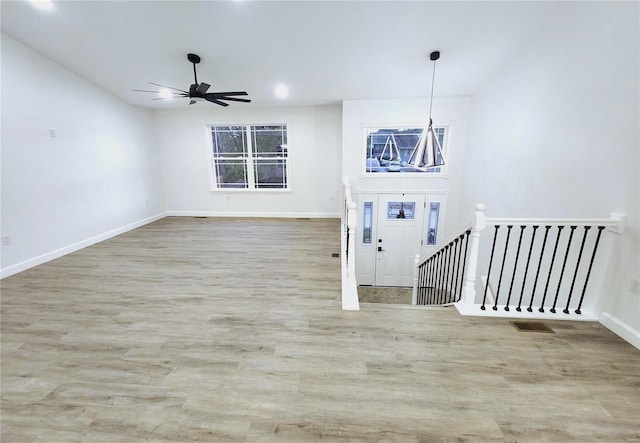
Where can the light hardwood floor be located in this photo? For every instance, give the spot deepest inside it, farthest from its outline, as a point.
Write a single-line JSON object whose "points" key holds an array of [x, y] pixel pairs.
{"points": [[194, 329]]}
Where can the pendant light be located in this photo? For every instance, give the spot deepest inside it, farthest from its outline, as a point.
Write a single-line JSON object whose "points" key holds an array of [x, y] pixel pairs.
{"points": [[390, 150], [428, 153]]}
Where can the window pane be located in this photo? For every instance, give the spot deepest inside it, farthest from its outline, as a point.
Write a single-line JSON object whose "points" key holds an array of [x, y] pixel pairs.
{"points": [[400, 210], [270, 173], [367, 222], [231, 173], [269, 141], [389, 149], [432, 229], [229, 141]]}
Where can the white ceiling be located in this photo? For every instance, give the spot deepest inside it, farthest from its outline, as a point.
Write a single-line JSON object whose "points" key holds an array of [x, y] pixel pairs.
{"points": [[325, 51]]}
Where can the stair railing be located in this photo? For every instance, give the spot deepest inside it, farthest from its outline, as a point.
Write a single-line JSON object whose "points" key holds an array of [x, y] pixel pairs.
{"points": [[438, 278], [534, 267]]}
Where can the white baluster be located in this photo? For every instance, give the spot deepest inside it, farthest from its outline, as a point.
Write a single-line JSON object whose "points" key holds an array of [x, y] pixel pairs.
{"points": [[469, 289]]}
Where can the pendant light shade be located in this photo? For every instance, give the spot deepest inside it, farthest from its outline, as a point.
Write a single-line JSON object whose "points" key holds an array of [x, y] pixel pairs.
{"points": [[390, 152], [428, 151]]}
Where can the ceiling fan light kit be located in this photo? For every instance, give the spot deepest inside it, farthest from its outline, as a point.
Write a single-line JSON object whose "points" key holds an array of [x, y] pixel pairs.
{"points": [[198, 91], [428, 153]]}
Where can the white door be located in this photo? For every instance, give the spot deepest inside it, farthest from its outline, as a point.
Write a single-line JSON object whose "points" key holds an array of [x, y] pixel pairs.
{"points": [[399, 234]]}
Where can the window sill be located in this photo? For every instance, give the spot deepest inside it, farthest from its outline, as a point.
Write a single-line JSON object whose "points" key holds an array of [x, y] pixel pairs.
{"points": [[389, 175], [252, 191]]}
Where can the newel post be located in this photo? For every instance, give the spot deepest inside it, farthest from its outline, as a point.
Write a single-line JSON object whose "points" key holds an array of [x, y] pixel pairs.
{"points": [[414, 293], [469, 289]]}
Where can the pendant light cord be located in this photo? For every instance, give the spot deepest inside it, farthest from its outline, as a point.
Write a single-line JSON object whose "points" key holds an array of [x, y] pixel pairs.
{"points": [[433, 79]]}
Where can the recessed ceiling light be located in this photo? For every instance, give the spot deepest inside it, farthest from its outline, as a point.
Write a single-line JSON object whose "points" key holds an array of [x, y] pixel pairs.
{"points": [[43, 5], [282, 91]]}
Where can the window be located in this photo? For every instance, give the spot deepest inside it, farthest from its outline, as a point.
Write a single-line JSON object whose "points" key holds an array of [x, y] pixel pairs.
{"points": [[432, 229], [389, 149], [367, 222], [249, 157], [402, 210]]}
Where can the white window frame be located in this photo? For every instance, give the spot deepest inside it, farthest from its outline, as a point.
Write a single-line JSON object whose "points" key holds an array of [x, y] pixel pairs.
{"points": [[251, 184], [446, 151]]}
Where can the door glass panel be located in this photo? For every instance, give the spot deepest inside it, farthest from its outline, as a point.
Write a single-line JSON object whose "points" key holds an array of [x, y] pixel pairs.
{"points": [[401, 210], [367, 222], [432, 228]]}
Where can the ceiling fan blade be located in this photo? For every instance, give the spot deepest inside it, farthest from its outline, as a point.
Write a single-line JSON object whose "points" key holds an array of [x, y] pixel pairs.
{"points": [[202, 88], [169, 98], [192, 102], [214, 100], [233, 99], [168, 87], [229, 93], [145, 90]]}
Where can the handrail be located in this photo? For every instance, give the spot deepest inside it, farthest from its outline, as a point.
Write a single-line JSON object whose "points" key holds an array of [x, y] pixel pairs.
{"points": [[449, 239], [614, 223]]}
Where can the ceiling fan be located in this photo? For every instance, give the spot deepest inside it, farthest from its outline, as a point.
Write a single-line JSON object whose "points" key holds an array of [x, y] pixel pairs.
{"points": [[197, 91]]}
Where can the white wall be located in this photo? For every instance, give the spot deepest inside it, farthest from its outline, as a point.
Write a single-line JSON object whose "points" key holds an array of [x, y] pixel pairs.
{"points": [[98, 176], [314, 161], [453, 111], [555, 133]]}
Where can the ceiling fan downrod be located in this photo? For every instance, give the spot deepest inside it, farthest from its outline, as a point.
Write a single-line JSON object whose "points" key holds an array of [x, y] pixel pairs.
{"points": [[195, 59]]}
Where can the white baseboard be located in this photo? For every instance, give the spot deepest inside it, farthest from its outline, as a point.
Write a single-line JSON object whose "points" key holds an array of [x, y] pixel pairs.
{"points": [[621, 329], [474, 310], [253, 214], [27, 264]]}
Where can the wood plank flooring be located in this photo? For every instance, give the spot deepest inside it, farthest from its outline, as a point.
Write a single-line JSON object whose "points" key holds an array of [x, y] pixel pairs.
{"points": [[192, 329]]}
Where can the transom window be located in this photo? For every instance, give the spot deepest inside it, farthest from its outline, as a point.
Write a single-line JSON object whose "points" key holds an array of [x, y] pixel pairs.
{"points": [[389, 149], [249, 156]]}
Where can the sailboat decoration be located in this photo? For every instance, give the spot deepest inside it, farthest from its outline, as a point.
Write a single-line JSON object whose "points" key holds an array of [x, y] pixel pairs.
{"points": [[428, 152]]}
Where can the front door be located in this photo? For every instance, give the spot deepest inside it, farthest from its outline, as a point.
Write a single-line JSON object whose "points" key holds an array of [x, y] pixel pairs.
{"points": [[400, 224]]}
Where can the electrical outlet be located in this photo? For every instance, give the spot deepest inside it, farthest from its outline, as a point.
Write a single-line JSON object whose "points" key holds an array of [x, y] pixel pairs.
{"points": [[635, 286], [6, 240]]}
